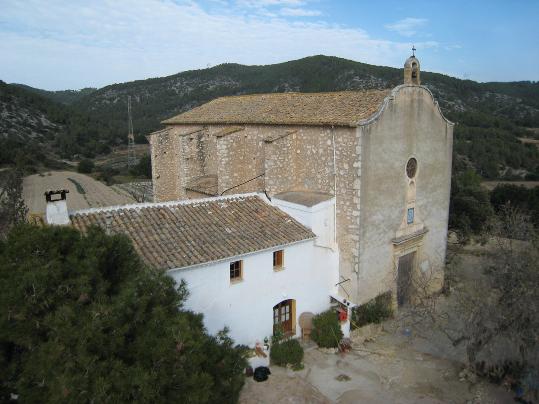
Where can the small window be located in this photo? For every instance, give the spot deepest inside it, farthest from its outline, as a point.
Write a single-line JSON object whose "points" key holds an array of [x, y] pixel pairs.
{"points": [[236, 271], [278, 260], [410, 216]]}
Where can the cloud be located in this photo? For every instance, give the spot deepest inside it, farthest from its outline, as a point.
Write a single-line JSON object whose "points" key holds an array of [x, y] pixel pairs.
{"points": [[299, 12], [61, 44], [274, 8], [269, 3], [407, 26]]}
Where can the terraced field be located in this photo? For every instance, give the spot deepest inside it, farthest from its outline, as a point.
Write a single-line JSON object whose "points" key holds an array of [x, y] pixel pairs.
{"points": [[84, 191]]}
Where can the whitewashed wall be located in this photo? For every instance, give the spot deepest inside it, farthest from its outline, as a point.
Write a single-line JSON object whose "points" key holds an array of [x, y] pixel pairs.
{"points": [[246, 308], [320, 218]]}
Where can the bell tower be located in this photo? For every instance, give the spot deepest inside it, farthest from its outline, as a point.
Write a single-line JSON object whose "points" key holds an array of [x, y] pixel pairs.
{"points": [[411, 70]]}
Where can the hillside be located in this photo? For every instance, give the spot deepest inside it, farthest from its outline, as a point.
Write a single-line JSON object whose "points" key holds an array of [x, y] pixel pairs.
{"points": [[29, 125], [156, 99], [490, 114], [66, 97]]}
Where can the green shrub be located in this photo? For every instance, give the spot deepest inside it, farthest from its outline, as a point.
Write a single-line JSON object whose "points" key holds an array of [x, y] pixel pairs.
{"points": [[287, 352], [326, 330], [80, 188], [278, 334], [85, 166], [107, 175], [374, 311], [143, 167], [90, 331]]}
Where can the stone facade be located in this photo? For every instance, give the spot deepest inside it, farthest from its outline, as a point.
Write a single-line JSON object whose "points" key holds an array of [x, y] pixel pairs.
{"points": [[364, 166]]}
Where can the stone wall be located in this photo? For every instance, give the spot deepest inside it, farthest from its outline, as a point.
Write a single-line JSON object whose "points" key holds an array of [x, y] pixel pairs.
{"points": [[240, 159], [179, 155], [165, 166], [303, 160]]}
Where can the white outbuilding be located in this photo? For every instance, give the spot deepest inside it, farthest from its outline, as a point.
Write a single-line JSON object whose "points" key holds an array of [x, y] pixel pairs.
{"points": [[250, 264]]}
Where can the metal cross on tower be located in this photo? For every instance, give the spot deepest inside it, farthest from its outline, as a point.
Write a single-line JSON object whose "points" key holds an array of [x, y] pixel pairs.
{"points": [[413, 50], [131, 159]]}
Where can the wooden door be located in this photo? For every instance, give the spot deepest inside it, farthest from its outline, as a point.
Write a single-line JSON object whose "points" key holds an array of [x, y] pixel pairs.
{"points": [[283, 316], [404, 278]]}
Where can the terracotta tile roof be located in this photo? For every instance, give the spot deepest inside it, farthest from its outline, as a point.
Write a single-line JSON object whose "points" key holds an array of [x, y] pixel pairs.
{"points": [[344, 108], [180, 234]]}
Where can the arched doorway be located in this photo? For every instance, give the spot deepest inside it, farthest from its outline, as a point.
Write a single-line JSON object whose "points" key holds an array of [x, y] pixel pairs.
{"points": [[284, 316]]}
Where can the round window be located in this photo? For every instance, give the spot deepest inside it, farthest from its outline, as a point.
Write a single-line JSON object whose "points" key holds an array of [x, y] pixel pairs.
{"points": [[411, 168]]}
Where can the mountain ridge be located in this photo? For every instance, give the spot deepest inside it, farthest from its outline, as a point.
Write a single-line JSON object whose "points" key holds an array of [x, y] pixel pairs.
{"points": [[96, 119]]}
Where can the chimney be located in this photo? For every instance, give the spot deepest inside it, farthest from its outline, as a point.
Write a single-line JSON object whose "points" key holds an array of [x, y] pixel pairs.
{"points": [[56, 213]]}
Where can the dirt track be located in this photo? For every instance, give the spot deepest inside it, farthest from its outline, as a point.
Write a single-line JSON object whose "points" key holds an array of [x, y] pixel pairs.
{"points": [[90, 194], [490, 185], [391, 369]]}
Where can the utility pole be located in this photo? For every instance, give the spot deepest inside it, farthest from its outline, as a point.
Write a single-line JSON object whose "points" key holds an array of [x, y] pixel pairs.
{"points": [[131, 159]]}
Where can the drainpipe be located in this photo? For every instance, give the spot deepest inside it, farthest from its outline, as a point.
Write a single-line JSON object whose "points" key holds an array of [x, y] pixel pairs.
{"points": [[334, 187]]}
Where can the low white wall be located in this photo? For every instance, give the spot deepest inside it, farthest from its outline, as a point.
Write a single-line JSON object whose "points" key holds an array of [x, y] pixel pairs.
{"points": [[246, 308], [320, 218]]}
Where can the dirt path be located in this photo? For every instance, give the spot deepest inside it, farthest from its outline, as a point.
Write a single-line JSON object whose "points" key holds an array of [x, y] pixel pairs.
{"points": [[490, 185], [88, 194]]}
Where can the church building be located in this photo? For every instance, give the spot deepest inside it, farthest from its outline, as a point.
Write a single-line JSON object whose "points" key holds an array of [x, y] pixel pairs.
{"points": [[275, 207], [383, 156]]}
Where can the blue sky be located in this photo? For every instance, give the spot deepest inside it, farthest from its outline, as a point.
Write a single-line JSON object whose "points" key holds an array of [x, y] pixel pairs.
{"points": [[61, 44]]}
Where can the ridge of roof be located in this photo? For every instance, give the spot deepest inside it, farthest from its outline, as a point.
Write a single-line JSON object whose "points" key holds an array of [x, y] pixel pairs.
{"points": [[299, 93], [143, 205]]}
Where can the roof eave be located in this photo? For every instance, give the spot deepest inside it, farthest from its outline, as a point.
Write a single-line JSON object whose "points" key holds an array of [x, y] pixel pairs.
{"points": [[200, 264], [238, 122]]}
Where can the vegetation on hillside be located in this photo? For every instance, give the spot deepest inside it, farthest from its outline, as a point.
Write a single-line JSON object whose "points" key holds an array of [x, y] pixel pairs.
{"points": [[491, 145], [40, 128], [13, 210], [83, 321], [526, 200], [469, 208], [90, 122], [66, 97], [496, 316]]}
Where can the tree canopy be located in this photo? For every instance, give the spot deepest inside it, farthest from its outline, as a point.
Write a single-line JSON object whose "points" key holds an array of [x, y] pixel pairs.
{"points": [[82, 319], [469, 208]]}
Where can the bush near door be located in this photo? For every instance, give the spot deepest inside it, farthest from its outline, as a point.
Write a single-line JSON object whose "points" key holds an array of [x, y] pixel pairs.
{"points": [[326, 330], [374, 311], [287, 352]]}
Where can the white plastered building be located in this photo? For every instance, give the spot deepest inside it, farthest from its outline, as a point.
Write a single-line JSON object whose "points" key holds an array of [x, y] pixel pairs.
{"points": [[250, 263]]}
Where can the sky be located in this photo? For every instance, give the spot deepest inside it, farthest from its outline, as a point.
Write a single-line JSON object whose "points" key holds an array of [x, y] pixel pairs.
{"points": [[71, 44]]}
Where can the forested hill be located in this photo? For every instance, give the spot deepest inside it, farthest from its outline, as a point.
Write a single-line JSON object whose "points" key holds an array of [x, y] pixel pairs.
{"points": [[491, 114], [66, 97], [160, 98]]}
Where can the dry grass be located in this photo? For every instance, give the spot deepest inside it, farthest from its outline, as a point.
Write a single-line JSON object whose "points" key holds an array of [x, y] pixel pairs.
{"points": [[490, 185], [527, 140], [84, 191]]}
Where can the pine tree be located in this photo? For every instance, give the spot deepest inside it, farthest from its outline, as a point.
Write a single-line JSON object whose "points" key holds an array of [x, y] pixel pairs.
{"points": [[83, 320]]}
